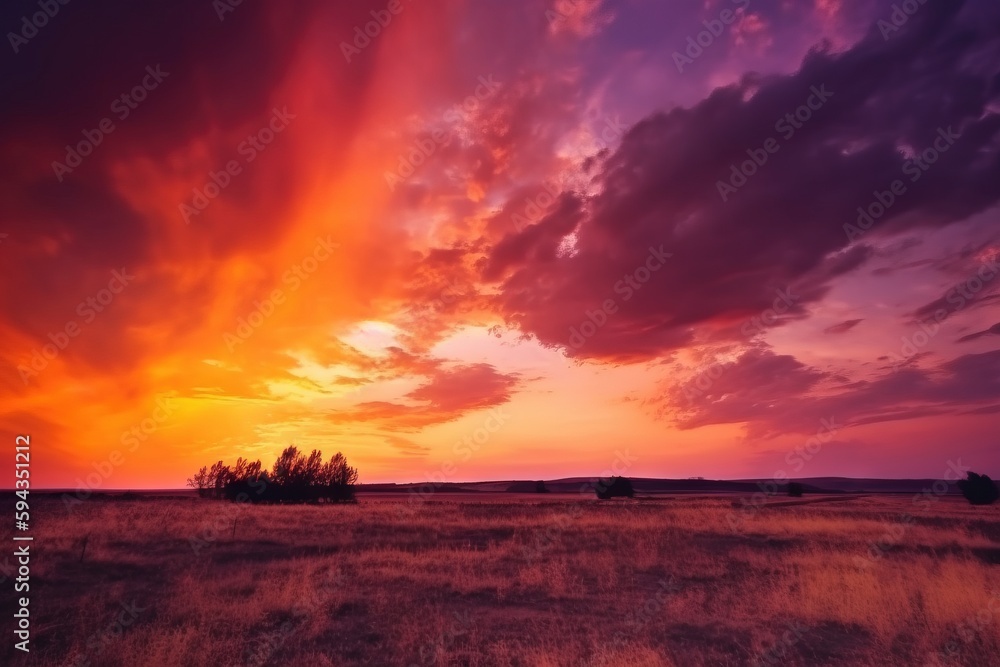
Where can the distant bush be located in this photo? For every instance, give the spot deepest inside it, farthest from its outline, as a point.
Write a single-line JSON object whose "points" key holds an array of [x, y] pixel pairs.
{"points": [[295, 478], [795, 489], [979, 489], [540, 487], [615, 487]]}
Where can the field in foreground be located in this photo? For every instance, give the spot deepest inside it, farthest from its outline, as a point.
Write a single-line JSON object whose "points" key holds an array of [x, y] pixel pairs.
{"points": [[683, 581]]}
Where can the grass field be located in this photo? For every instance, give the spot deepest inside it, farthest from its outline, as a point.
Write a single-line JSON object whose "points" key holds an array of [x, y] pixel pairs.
{"points": [[679, 581]]}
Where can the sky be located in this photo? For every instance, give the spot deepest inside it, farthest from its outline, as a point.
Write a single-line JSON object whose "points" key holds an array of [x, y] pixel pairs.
{"points": [[520, 240]]}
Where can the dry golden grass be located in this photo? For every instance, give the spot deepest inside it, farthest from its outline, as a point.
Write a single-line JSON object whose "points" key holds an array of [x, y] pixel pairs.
{"points": [[523, 583]]}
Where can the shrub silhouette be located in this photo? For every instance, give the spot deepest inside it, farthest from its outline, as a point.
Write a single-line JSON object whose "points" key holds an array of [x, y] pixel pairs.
{"points": [[979, 489], [200, 481], [615, 487], [795, 489], [294, 478], [540, 487], [211, 481]]}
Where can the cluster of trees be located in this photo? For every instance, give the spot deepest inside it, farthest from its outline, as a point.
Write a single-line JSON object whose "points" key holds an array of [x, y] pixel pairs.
{"points": [[294, 477], [979, 489]]}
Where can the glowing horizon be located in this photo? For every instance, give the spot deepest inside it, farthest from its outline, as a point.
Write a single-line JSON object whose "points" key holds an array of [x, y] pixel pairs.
{"points": [[377, 246]]}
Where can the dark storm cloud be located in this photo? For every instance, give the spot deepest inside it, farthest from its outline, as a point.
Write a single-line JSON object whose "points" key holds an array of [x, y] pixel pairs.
{"points": [[978, 287], [783, 226], [776, 394], [992, 331], [65, 237]]}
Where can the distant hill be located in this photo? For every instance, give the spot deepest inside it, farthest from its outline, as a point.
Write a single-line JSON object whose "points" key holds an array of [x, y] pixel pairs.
{"points": [[654, 485], [645, 485], [864, 485], [576, 485]]}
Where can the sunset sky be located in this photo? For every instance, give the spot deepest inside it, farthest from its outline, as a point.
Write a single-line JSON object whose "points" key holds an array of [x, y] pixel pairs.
{"points": [[506, 239]]}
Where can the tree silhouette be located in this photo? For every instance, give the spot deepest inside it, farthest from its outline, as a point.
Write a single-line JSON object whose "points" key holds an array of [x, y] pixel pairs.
{"points": [[286, 468], [979, 489], [199, 481], [219, 476], [311, 468], [615, 487], [294, 477], [210, 481], [795, 489], [247, 481], [338, 478]]}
